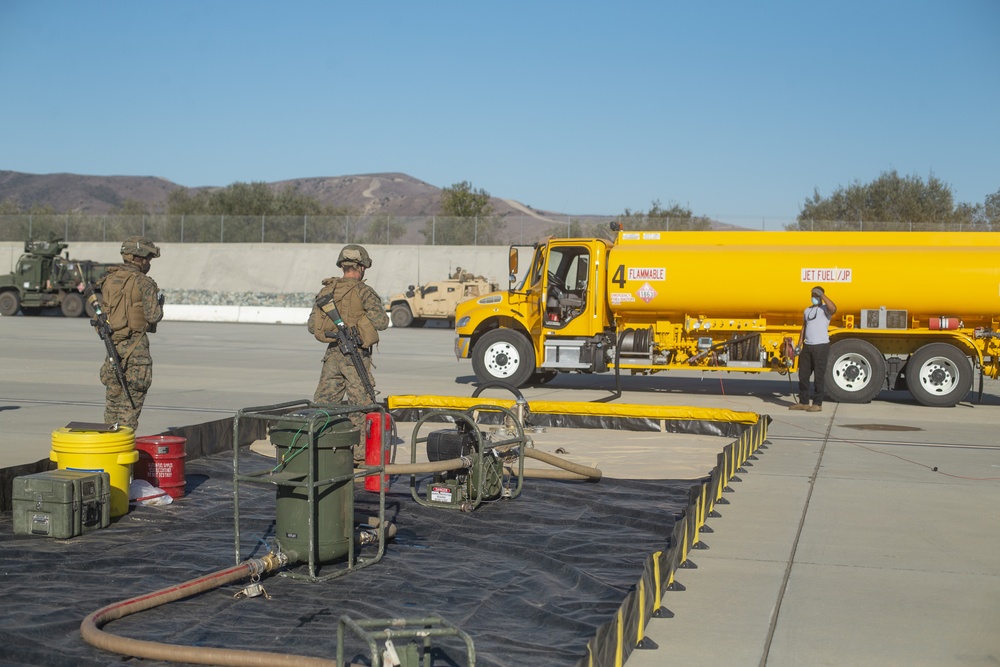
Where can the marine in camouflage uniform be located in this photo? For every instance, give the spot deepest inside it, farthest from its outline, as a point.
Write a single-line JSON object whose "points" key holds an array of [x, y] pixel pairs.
{"points": [[359, 306], [134, 305]]}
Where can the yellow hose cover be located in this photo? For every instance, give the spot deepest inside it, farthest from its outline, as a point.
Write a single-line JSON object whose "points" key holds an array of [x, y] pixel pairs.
{"points": [[666, 412]]}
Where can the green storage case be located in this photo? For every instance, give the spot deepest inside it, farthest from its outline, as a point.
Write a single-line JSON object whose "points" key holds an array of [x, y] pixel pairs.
{"points": [[61, 503]]}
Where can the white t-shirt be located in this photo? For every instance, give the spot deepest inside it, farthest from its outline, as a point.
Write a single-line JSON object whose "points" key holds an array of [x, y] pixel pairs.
{"points": [[817, 325]]}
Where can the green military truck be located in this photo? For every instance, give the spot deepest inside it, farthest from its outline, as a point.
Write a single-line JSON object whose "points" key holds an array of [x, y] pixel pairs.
{"points": [[45, 279], [436, 300]]}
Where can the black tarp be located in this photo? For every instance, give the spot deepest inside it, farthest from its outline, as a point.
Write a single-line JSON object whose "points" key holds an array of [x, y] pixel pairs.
{"points": [[530, 579]]}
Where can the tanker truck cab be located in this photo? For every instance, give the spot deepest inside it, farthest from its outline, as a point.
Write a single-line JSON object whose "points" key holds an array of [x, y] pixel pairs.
{"points": [[553, 320]]}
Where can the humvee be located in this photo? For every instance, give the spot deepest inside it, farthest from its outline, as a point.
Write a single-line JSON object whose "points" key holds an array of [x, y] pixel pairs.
{"points": [[436, 300]]}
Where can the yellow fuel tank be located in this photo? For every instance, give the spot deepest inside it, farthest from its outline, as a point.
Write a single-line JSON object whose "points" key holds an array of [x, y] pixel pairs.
{"points": [[665, 275]]}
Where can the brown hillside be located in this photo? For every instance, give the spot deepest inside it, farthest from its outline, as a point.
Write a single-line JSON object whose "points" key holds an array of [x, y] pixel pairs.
{"points": [[393, 193]]}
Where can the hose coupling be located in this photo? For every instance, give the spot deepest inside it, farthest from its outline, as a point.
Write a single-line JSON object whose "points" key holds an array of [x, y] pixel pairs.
{"points": [[269, 563], [366, 537]]}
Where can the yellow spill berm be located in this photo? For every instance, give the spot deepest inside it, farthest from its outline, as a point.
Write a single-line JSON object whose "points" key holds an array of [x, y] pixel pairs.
{"points": [[615, 640]]}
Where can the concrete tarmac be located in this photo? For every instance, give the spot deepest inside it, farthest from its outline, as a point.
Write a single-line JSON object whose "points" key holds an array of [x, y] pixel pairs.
{"points": [[862, 535]]}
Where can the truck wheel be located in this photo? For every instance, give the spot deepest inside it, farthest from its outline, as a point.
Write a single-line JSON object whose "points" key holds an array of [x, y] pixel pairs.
{"points": [[401, 316], [503, 354], [938, 375], [72, 305], [855, 372], [10, 303], [90, 309]]}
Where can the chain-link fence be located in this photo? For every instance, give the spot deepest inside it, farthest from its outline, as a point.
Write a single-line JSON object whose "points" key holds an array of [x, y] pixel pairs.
{"points": [[376, 229]]}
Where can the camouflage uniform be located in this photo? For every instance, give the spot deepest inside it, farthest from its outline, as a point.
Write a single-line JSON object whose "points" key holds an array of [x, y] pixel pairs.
{"points": [[339, 378], [361, 309], [131, 341]]}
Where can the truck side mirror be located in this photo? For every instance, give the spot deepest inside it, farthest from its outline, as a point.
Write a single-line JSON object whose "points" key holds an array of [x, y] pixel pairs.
{"points": [[512, 262]]}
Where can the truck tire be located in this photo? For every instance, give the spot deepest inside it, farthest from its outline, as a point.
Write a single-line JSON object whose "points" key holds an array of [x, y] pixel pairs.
{"points": [[401, 316], [855, 371], [938, 375], [503, 354], [10, 303], [72, 305]]}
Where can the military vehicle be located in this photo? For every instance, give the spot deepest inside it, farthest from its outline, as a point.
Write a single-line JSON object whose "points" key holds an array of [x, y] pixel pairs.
{"points": [[436, 300], [44, 279]]}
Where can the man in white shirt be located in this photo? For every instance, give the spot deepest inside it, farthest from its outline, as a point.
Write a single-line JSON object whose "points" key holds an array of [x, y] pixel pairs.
{"points": [[814, 349]]}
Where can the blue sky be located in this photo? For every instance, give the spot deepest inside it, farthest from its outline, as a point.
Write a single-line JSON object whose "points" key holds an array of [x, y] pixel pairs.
{"points": [[737, 110]]}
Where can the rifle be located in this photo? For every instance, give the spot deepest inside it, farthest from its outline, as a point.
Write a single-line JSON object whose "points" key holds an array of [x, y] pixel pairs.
{"points": [[100, 324], [348, 340]]}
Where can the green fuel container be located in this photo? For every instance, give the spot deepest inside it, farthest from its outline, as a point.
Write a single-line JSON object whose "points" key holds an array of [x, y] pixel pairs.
{"points": [[332, 511]]}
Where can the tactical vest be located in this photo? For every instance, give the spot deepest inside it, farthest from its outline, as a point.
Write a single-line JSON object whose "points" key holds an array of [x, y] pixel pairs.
{"points": [[123, 303], [351, 309]]}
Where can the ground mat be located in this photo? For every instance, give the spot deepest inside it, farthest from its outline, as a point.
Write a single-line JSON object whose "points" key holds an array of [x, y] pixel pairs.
{"points": [[530, 580]]}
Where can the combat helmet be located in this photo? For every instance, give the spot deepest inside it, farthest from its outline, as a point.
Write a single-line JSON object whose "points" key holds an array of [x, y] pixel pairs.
{"points": [[139, 246], [354, 254]]}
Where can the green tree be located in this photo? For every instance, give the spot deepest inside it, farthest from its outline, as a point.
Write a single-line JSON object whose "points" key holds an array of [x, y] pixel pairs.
{"points": [[383, 228], [468, 218], [180, 201], [131, 207], [9, 207], [991, 211], [672, 219], [573, 230], [246, 199], [889, 202]]}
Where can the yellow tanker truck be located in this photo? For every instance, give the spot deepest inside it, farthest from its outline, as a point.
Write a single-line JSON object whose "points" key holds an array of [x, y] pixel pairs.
{"points": [[915, 310]]}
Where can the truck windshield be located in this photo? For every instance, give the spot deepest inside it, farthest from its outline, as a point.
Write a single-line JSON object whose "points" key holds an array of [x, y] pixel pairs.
{"points": [[534, 276]]}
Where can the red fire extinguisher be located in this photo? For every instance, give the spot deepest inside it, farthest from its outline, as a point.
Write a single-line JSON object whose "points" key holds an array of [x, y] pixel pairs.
{"points": [[378, 438], [945, 323]]}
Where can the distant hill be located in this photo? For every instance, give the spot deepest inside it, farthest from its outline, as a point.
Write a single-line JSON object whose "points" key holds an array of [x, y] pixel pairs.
{"points": [[393, 193], [396, 194]]}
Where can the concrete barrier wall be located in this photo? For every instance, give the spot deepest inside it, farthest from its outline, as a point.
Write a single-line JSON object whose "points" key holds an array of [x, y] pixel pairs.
{"points": [[284, 268]]}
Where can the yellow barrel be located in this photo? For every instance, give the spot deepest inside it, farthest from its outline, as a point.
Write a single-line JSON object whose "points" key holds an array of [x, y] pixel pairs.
{"points": [[96, 451]]}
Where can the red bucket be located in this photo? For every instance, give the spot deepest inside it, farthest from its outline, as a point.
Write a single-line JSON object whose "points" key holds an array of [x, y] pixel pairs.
{"points": [[161, 462]]}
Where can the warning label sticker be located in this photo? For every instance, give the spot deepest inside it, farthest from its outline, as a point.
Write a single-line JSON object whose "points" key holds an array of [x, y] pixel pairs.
{"points": [[833, 275], [441, 494], [657, 274], [647, 293], [621, 297], [651, 236]]}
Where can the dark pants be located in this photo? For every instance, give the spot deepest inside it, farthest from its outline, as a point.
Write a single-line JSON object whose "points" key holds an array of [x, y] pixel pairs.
{"points": [[812, 361]]}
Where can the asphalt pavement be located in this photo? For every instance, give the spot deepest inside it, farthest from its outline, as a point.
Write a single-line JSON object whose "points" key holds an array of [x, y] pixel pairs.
{"points": [[862, 535]]}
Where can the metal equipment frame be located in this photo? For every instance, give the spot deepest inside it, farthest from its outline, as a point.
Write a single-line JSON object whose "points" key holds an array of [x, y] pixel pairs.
{"points": [[401, 628], [468, 417], [281, 412]]}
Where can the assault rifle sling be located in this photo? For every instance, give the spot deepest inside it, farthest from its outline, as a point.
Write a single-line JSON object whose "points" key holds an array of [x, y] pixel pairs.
{"points": [[348, 341], [100, 323]]}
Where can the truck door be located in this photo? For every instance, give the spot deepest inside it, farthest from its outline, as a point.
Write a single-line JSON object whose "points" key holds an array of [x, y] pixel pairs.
{"points": [[568, 300], [433, 298]]}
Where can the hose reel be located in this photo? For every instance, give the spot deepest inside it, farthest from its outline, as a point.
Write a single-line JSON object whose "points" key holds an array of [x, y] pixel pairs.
{"points": [[636, 343]]}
